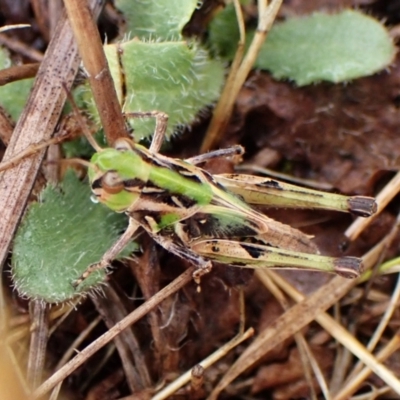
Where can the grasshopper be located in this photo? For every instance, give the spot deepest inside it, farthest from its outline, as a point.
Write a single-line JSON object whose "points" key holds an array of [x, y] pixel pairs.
{"points": [[204, 218]]}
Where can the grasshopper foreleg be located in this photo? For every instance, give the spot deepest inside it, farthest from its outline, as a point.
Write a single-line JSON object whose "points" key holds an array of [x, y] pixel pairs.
{"points": [[161, 126], [111, 253]]}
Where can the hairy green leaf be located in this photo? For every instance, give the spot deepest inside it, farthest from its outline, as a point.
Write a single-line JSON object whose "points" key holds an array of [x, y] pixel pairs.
{"points": [[223, 33], [335, 48], [331, 47], [162, 19], [60, 237], [174, 77], [14, 95]]}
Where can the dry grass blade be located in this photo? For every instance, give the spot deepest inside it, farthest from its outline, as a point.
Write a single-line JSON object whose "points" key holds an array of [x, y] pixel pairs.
{"points": [[210, 360], [220, 118], [394, 300], [297, 317], [306, 356], [382, 199], [77, 342], [355, 378], [285, 326], [21, 48], [352, 385], [239, 73], [6, 127], [343, 336], [71, 350], [14, 26], [112, 310], [30, 151]]}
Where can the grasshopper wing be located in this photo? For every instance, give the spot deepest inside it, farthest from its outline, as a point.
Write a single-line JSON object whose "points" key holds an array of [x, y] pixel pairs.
{"points": [[250, 255], [267, 191]]}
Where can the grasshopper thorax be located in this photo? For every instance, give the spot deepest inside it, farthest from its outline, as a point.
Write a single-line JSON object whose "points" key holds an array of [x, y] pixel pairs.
{"points": [[117, 175]]}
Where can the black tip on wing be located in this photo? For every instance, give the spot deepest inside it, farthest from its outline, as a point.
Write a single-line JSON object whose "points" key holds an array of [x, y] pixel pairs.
{"points": [[349, 267], [362, 206]]}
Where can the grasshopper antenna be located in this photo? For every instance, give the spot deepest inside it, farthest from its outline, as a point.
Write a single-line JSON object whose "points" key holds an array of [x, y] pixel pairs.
{"points": [[80, 120]]}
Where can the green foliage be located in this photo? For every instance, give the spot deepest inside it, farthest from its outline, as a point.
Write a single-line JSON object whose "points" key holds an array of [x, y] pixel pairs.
{"points": [[331, 47], [13, 96], [223, 33], [162, 72], [162, 19], [334, 48], [173, 77], [81, 148], [59, 238]]}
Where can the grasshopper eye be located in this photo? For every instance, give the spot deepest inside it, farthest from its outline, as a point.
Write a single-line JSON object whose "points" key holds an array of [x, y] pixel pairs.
{"points": [[123, 144], [112, 183]]}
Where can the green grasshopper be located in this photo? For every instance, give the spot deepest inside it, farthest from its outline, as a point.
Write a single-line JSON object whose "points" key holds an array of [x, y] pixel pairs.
{"points": [[204, 218]]}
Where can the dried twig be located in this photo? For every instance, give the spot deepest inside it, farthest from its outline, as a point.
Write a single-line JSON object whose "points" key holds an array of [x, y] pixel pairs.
{"points": [[18, 72], [96, 66]]}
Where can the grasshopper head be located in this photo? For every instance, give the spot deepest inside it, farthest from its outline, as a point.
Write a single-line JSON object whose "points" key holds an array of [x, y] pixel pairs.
{"points": [[117, 174]]}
